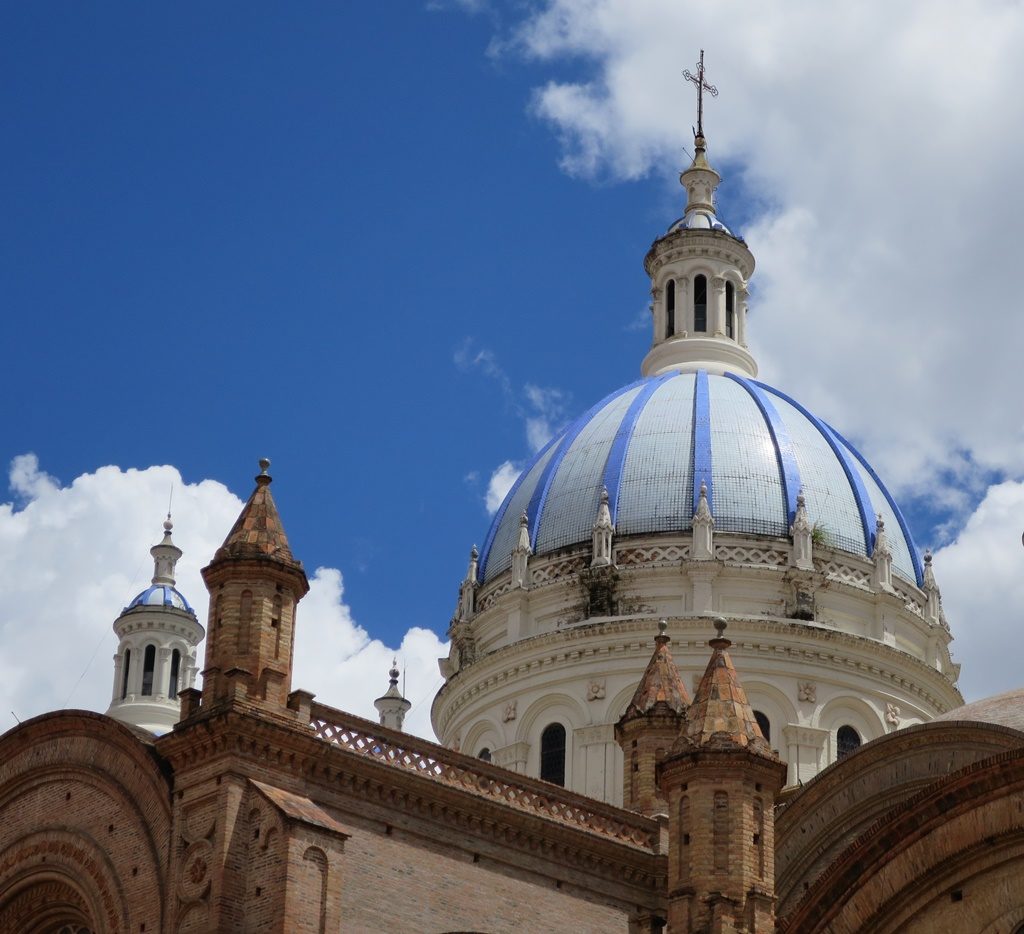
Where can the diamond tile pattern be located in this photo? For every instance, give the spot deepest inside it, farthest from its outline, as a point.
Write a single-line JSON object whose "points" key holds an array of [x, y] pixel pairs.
{"points": [[720, 712], [660, 684], [258, 531]]}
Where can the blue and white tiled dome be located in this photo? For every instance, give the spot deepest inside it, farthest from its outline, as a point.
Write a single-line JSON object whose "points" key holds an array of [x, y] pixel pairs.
{"points": [[701, 219], [653, 442], [161, 595]]}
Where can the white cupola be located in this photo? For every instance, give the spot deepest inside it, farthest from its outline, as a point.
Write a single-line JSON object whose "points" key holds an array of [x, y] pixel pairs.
{"points": [[699, 273], [392, 705], [156, 654]]}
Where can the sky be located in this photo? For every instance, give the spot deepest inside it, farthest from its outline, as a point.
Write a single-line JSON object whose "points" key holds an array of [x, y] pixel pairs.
{"points": [[395, 246]]}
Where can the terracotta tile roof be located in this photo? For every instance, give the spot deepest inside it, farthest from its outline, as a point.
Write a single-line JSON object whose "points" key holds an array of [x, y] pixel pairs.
{"points": [[720, 713], [660, 683], [258, 532], [1006, 709], [301, 809]]}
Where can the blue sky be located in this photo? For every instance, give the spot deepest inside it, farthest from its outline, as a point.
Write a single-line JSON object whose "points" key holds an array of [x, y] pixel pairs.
{"points": [[234, 231], [390, 245]]}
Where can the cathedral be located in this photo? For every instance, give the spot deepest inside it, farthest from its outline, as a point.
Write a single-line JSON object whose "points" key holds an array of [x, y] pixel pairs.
{"points": [[699, 682]]}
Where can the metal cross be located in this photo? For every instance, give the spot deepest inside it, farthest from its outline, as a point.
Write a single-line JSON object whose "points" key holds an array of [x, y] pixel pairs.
{"points": [[702, 86]]}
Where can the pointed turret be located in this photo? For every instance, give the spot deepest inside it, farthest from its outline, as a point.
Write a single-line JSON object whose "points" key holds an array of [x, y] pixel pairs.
{"points": [[802, 532], [601, 539], [933, 606], [881, 557], [392, 705], [467, 589], [258, 532], [703, 528], [720, 712], [255, 584], [649, 727], [156, 654], [521, 554], [721, 780]]}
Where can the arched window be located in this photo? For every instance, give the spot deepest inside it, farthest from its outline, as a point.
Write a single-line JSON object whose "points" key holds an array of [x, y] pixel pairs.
{"points": [[730, 312], [764, 725], [700, 303], [172, 685], [124, 675], [670, 307], [484, 754], [847, 741], [148, 663], [552, 754]]}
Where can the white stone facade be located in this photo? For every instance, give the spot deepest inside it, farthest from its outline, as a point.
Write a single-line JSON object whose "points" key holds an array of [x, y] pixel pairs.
{"points": [[528, 658]]}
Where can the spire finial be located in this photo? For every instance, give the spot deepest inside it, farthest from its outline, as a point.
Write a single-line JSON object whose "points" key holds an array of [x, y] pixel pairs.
{"points": [[702, 86], [263, 478], [393, 673]]}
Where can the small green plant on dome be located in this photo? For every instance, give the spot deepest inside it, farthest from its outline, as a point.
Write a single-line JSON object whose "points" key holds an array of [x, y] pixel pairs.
{"points": [[820, 536]]}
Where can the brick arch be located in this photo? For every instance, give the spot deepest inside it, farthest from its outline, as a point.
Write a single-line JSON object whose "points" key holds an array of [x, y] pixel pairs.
{"points": [[965, 826], [846, 799], [84, 803], [43, 903], [69, 868]]}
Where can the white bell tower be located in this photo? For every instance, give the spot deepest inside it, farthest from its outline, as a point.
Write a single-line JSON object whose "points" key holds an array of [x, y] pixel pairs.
{"points": [[156, 654], [699, 273]]}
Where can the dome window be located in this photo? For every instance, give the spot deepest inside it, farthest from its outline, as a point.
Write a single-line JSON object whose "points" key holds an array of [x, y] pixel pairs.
{"points": [[148, 664], [124, 676], [700, 303], [730, 313], [172, 685], [847, 740], [484, 754], [552, 754], [764, 725], [670, 308]]}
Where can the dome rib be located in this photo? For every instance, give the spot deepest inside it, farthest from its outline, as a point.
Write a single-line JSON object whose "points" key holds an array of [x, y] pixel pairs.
{"points": [[535, 511], [612, 478], [896, 511], [789, 470], [702, 442], [653, 443], [492, 532], [860, 493]]}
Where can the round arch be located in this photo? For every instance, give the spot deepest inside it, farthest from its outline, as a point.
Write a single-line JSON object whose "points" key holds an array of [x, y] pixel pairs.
{"points": [[849, 711], [483, 733], [774, 704]]}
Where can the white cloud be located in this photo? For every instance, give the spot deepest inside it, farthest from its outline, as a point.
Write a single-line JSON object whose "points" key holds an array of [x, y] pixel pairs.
{"points": [[981, 576], [72, 556], [500, 483], [542, 409], [877, 151]]}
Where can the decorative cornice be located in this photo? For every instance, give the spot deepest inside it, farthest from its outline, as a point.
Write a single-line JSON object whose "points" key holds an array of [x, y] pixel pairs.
{"points": [[344, 754], [558, 649]]}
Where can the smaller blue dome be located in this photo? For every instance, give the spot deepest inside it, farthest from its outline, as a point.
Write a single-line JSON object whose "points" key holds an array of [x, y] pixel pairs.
{"points": [[701, 219], [161, 595]]}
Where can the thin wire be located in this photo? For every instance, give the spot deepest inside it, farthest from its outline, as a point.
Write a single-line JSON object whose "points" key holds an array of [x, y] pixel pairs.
{"points": [[88, 664]]}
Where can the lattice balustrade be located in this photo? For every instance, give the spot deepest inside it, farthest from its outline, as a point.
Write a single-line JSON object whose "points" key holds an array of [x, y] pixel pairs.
{"points": [[487, 599], [441, 765], [651, 555], [555, 570], [845, 573], [751, 554]]}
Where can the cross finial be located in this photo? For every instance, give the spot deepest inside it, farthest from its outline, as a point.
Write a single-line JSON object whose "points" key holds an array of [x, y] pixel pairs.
{"points": [[702, 86]]}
